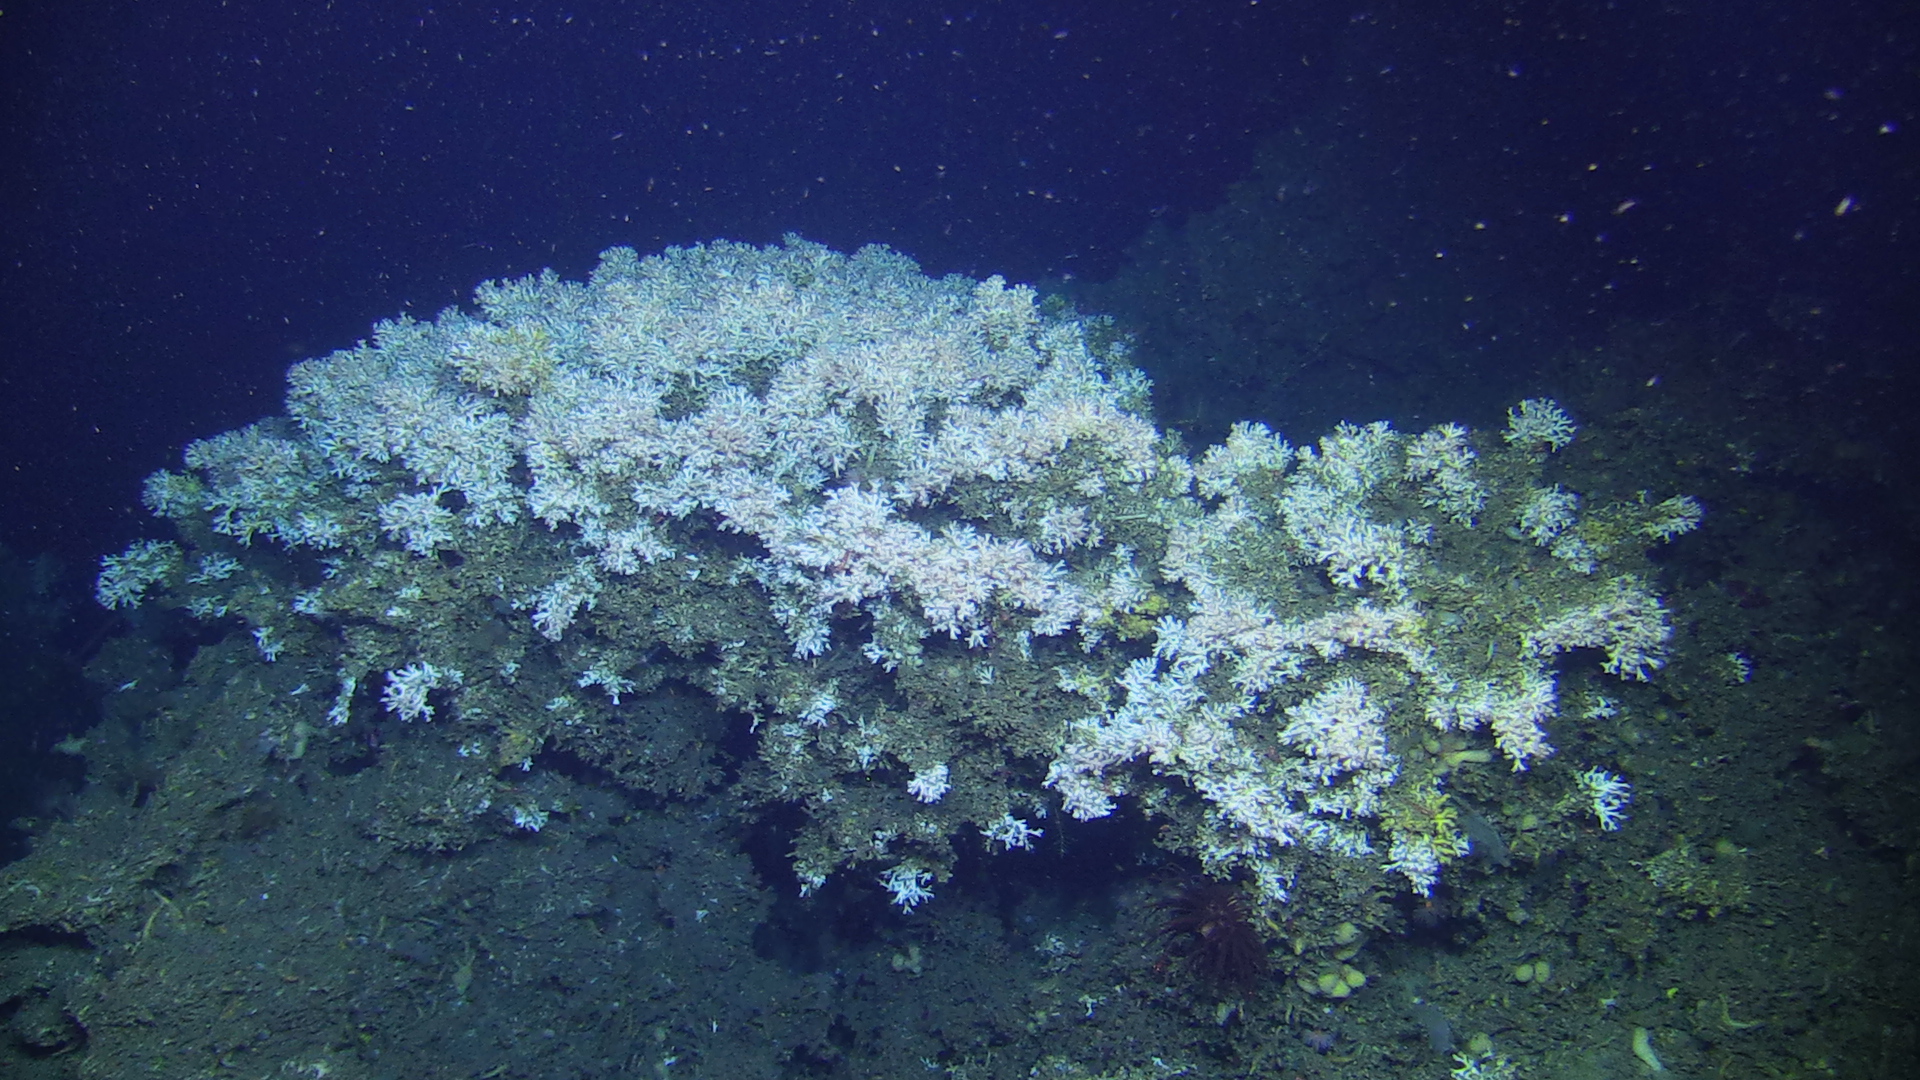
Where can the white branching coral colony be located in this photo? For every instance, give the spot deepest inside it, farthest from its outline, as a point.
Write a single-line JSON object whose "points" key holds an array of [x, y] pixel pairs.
{"points": [[920, 535]]}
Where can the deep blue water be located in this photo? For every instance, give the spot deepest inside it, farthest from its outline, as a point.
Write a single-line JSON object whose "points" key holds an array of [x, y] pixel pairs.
{"points": [[197, 194]]}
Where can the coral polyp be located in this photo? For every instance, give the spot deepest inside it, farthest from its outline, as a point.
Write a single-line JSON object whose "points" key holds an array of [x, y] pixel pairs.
{"points": [[1210, 928]]}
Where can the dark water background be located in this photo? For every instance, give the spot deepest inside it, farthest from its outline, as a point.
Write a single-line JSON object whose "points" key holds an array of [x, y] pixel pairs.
{"points": [[197, 194]]}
